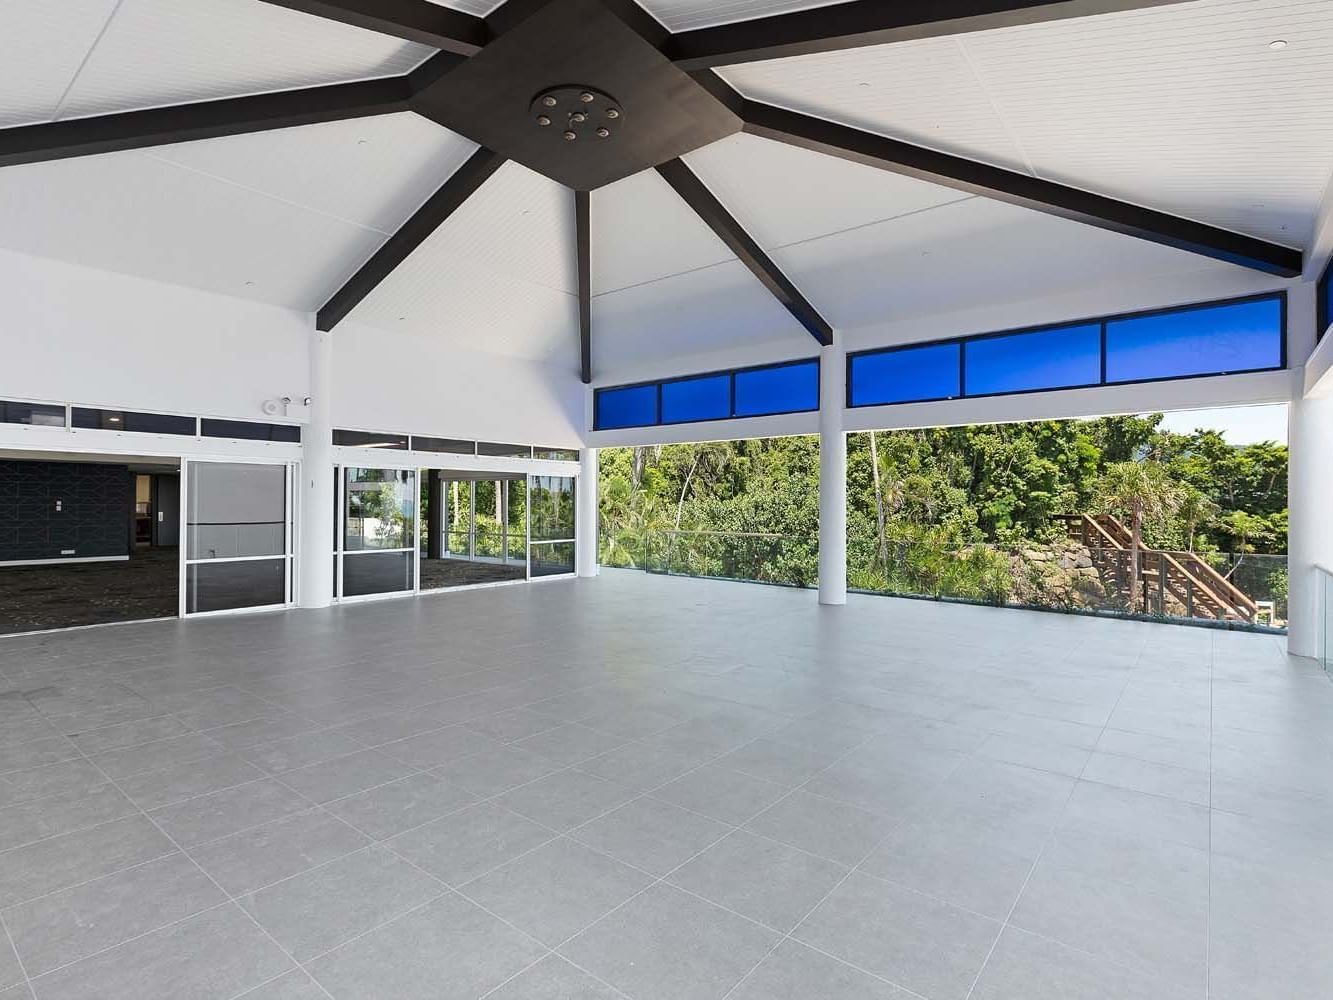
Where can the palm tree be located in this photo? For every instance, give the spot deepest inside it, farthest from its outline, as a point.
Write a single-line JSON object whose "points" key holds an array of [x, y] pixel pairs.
{"points": [[1145, 494], [1197, 510]]}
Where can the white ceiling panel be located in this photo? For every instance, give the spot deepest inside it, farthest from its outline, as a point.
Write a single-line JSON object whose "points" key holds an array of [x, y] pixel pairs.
{"points": [[1185, 108], [138, 215], [643, 231], [439, 295], [681, 15], [711, 309], [967, 255], [499, 275], [923, 91], [756, 180], [162, 52], [374, 172], [42, 46]]}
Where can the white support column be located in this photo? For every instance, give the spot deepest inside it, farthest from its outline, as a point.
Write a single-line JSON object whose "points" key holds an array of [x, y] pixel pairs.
{"points": [[832, 477], [1310, 524], [317, 485], [586, 502]]}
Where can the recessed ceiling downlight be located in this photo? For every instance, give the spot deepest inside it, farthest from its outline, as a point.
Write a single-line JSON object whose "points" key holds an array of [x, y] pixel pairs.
{"points": [[1278, 44]]}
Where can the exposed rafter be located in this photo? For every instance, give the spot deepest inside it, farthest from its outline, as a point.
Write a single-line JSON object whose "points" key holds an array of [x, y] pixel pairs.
{"points": [[871, 22], [1023, 190], [707, 207], [583, 248], [415, 20], [429, 217], [203, 120]]}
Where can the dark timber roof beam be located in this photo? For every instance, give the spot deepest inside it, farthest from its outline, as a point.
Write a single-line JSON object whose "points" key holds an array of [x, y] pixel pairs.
{"points": [[415, 20], [583, 247], [1034, 193], [202, 120], [710, 210], [415, 231], [860, 23]]}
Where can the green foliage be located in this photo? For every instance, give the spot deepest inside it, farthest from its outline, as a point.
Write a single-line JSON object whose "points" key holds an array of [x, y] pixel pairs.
{"points": [[956, 504]]}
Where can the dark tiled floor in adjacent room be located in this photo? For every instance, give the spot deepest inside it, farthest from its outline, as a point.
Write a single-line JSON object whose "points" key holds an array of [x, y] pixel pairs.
{"points": [[663, 789]]}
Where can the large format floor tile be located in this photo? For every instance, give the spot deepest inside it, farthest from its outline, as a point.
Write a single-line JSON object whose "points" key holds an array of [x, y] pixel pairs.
{"points": [[652, 788]]}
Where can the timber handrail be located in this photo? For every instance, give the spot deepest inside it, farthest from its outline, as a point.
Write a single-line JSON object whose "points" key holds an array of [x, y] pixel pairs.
{"points": [[1100, 531]]}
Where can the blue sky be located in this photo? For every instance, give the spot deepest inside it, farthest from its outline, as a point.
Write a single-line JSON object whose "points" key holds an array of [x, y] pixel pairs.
{"points": [[1239, 424]]}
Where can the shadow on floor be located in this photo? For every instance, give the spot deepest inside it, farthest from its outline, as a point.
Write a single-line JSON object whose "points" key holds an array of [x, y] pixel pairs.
{"points": [[33, 598]]}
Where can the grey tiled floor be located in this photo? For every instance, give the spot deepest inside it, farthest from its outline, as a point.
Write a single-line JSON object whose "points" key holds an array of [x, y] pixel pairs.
{"points": [[663, 789]]}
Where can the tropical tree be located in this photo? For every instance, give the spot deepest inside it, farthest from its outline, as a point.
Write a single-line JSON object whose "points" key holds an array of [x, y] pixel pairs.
{"points": [[1145, 494], [1196, 510]]}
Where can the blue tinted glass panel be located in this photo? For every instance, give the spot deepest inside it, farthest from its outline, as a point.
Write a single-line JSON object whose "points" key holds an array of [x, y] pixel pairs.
{"points": [[1045, 359], [1325, 302], [706, 398], [1241, 336], [633, 406], [784, 389], [905, 376]]}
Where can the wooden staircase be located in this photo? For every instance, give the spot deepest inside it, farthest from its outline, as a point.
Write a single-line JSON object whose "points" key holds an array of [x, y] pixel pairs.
{"points": [[1191, 581]]}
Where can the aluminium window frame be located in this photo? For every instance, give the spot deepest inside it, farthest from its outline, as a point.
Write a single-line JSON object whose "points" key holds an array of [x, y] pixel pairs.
{"points": [[1280, 296], [731, 414]]}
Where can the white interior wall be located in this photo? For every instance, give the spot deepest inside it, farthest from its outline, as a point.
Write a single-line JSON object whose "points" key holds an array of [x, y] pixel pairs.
{"points": [[81, 335], [408, 383]]}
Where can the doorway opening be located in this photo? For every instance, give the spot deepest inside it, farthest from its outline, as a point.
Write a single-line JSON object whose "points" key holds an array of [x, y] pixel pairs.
{"points": [[474, 528], [87, 540]]}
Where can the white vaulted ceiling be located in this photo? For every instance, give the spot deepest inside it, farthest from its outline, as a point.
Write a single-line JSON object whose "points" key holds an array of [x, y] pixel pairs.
{"points": [[498, 276], [1184, 108], [281, 217], [117, 56]]}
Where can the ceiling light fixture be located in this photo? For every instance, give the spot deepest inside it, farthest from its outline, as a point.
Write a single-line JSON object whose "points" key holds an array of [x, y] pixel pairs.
{"points": [[1278, 44]]}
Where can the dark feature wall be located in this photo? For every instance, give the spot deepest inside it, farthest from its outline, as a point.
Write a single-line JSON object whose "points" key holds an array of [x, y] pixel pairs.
{"points": [[93, 519]]}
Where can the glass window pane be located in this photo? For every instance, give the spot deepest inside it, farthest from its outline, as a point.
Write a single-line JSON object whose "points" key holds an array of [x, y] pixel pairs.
{"points": [[1044, 359], [552, 501], [706, 398], [370, 439], [377, 573], [139, 423], [1214, 340], [552, 559], [1325, 301], [236, 509], [35, 414], [380, 511], [556, 454], [632, 406], [246, 430], [226, 586], [447, 446], [497, 450], [780, 389], [907, 375]]}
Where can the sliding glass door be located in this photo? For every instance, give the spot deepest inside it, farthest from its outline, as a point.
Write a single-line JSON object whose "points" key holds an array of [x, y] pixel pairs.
{"points": [[238, 537], [377, 541]]}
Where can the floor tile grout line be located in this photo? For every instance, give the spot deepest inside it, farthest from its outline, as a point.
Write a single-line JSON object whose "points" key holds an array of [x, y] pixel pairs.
{"points": [[229, 897], [23, 967], [1046, 841]]}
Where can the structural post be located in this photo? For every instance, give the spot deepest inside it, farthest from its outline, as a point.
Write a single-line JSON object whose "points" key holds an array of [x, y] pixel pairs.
{"points": [[832, 477], [586, 536], [317, 486], [1310, 524]]}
